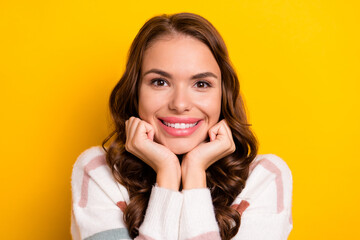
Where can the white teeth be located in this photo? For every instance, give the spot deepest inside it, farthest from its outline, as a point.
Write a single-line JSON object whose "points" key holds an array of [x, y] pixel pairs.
{"points": [[180, 125]]}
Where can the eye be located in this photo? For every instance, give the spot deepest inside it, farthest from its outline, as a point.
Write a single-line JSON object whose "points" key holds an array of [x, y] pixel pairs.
{"points": [[159, 82], [202, 84]]}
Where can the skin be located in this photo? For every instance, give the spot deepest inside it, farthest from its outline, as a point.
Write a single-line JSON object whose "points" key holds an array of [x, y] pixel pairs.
{"points": [[173, 84]]}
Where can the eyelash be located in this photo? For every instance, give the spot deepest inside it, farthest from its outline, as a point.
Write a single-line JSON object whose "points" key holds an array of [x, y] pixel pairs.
{"points": [[203, 82], [155, 82]]}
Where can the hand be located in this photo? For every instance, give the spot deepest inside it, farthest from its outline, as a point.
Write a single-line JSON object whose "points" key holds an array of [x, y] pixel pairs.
{"points": [[195, 162], [140, 142]]}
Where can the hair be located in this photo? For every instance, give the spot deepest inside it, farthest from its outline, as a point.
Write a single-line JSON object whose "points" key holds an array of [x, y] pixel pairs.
{"points": [[226, 177]]}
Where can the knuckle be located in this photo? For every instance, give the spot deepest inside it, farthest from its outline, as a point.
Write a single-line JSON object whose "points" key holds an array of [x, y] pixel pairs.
{"points": [[231, 148], [127, 147], [135, 145]]}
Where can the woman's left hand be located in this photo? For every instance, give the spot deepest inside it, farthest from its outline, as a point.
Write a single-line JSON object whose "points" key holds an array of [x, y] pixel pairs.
{"points": [[195, 162]]}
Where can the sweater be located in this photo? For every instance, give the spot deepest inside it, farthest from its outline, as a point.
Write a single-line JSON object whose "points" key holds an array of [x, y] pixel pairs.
{"points": [[98, 202]]}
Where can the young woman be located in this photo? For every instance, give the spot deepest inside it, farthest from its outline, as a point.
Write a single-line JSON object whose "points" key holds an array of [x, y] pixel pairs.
{"points": [[183, 163]]}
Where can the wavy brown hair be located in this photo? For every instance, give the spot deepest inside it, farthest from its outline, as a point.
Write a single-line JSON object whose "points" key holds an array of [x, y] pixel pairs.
{"points": [[226, 177]]}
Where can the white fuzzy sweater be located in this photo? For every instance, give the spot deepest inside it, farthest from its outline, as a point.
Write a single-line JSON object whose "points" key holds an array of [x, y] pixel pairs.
{"points": [[98, 202]]}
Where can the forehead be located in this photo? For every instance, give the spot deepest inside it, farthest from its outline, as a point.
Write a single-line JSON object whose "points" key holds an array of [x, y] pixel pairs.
{"points": [[179, 54]]}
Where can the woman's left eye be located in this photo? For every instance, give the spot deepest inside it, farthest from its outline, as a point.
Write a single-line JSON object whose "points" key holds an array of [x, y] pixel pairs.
{"points": [[202, 84]]}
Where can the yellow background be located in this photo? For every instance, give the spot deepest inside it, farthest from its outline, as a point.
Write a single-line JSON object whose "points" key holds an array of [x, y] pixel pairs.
{"points": [[298, 61]]}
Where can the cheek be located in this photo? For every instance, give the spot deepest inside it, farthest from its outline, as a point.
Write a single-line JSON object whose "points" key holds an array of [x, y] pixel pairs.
{"points": [[148, 105], [211, 107], [145, 110], [143, 105]]}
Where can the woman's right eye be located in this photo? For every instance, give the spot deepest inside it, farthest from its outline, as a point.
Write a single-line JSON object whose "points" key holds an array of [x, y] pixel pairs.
{"points": [[158, 82]]}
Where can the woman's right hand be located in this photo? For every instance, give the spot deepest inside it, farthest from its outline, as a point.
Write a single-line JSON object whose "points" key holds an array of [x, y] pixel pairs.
{"points": [[140, 142]]}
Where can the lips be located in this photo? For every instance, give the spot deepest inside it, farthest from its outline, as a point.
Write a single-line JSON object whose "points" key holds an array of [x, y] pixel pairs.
{"points": [[180, 126]]}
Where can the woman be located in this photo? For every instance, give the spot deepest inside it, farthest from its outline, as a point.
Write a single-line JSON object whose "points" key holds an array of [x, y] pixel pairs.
{"points": [[183, 163]]}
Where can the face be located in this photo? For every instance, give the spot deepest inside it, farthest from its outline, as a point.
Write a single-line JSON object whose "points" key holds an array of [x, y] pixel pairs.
{"points": [[180, 91]]}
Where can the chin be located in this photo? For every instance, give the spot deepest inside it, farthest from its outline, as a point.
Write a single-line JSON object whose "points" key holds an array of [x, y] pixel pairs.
{"points": [[180, 149]]}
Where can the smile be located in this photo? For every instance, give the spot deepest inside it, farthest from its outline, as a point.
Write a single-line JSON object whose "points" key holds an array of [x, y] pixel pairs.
{"points": [[180, 127]]}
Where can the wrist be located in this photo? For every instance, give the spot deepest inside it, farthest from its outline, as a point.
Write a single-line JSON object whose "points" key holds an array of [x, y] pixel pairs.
{"points": [[193, 176], [169, 177]]}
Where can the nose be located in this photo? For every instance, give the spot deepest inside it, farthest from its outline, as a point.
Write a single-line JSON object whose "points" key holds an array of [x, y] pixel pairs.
{"points": [[180, 100]]}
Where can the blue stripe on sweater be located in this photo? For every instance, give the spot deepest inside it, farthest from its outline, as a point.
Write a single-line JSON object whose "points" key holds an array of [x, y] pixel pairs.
{"points": [[112, 234]]}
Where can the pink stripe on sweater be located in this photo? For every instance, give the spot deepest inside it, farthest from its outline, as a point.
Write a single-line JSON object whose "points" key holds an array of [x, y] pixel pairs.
{"points": [[241, 207], [207, 236], [253, 165], [121, 205], [143, 237], [271, 167], [93, 164]]}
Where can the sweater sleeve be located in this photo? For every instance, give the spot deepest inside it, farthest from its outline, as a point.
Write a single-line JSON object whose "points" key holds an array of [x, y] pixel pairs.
{"points": [[98, 202], [162, 216], [265, 202], [198, 217]]}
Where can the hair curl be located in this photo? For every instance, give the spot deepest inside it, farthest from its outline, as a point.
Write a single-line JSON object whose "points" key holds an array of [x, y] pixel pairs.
{"points": [[225, 178]]}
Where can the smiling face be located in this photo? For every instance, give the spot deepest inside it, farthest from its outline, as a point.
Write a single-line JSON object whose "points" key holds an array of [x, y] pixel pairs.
{"points": [[180, 91]]}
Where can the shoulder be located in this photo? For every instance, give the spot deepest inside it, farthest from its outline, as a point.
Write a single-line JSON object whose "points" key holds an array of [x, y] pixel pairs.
{"points": [[92, 181], [270, 164], [88, 155], [89, 160], [265, 202], [269, 185], [97, 198], [270, 169]]}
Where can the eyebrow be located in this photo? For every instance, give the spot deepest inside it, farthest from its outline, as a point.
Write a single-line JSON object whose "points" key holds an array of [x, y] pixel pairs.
{"points": [[168, 75]]}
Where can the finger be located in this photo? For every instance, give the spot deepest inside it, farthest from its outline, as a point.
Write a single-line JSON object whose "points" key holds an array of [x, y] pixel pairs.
{"points": [[128, 124], [224, 130], [213, 131], [149, 130], [224, 137], [232, 146], [217, 131], [133, 124], [212, 135], [227, 127], [144, 130]]}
